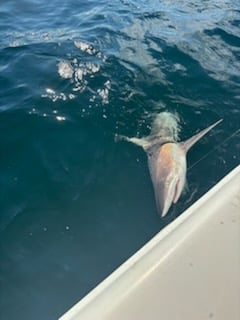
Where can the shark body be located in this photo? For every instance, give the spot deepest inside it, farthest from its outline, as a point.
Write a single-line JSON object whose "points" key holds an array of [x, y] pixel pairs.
{"points": [[167, 160]]}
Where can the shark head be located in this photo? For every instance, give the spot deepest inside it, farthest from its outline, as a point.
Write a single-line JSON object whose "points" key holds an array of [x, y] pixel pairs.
{"points": [[168, 173]]}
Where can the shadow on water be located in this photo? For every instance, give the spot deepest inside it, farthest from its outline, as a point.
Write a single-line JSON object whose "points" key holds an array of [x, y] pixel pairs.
{"points": [[75, 204]]}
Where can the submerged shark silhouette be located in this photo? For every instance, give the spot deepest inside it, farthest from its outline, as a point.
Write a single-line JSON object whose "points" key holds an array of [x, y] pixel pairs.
{"points": [[167, 158]]}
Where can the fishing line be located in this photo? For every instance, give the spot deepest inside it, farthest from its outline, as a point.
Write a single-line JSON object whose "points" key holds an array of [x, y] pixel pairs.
{"points": [[216, 148]]}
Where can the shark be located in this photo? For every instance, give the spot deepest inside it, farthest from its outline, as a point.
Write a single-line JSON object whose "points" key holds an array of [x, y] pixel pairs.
{"points": [[167, 158]]}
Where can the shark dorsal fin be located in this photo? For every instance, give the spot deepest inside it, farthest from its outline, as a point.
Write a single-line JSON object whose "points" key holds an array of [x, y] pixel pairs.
{"points": [[186, 145]]}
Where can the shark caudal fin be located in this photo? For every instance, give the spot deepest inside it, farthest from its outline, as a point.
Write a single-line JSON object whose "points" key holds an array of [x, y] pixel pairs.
{"points": [[186, 145]]}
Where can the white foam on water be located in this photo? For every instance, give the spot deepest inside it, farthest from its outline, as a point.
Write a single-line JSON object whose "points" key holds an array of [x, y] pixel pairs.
{"points": [[79, 73], [54, 115], [60, 118], [50, 91], [85, 47], [65, 69], [92, 68], [55, 96], [166, 125], [104, 92]]}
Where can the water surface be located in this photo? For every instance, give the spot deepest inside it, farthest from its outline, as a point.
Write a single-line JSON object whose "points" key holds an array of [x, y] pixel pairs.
{"points": [[74, 203]]}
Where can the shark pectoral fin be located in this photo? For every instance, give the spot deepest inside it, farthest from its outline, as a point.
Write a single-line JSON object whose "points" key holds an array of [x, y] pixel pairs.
{"points": [[186, 145], [139, 142], [119, 137]]}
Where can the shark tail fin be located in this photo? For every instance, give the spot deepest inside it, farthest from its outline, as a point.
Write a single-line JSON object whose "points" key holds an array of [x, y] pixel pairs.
{"points": [[186, 145]]}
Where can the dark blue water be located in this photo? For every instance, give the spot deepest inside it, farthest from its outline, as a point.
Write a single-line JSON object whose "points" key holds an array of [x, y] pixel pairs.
{"points": [[74, 204]]}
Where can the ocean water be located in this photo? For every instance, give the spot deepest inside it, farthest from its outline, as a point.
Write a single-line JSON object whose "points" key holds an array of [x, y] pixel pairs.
{"points": [[75, 204]]}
